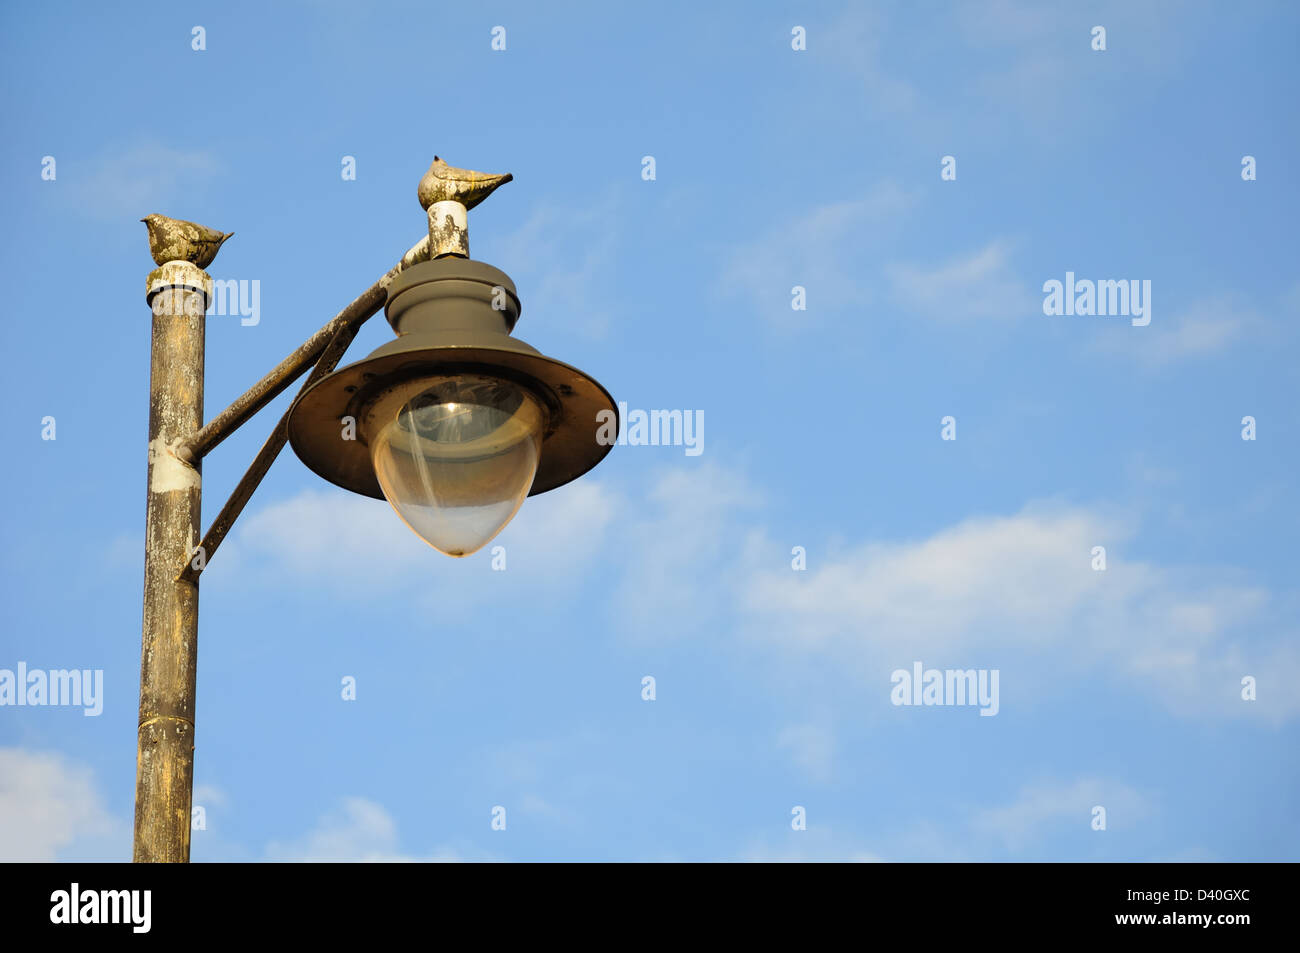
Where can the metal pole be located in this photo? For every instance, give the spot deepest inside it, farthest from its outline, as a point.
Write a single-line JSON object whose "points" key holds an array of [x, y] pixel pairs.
{"points": [[178, 296]]}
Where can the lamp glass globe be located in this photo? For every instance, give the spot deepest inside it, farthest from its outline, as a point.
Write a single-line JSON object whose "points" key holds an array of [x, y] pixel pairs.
{"points": [[457, 459]]}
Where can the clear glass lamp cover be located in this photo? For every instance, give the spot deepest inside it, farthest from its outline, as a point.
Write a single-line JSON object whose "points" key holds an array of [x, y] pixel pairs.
{"points": [[456, 456]]}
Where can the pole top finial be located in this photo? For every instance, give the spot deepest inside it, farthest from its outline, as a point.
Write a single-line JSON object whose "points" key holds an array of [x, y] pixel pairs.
{"points": [[447, 194], [445, 183], [173, 239]]}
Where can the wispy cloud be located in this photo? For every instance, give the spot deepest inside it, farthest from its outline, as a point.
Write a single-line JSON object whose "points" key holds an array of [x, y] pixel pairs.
{"points": [[1015, 589], [811, 745], [1205, 329], [1046, 808], [210, 796], [824, 250], [51, 809], [1023, 587], [812, 248], [360, 831], [680, 551], [135, 180], [817, 844], [977, 285], [320, 536], [854, 43], [1029, 65], [563, 259]]}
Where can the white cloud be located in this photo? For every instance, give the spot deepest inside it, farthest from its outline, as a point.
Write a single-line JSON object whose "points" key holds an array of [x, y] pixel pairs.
{"points": [[812, 250], [136, 181], [681, 550], [969, 287], [356, 546], [817, 844], [361, 831], [531, 805], [563, 259], [541, 776], [1038, 812], [811, 745], [1013, 592], [1054, 807], [823, 249], [209, 796], [1206, 328], [853, 43], [1030, 71], [322, 536], [983, 573], [51, 809], [1019, 590]]}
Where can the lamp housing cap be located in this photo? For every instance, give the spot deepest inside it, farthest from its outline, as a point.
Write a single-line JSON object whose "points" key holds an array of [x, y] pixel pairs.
{"points": [[452, 316]]}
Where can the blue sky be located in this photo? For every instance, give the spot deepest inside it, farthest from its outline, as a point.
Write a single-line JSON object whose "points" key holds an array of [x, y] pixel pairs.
{"points": [[775, 168]]}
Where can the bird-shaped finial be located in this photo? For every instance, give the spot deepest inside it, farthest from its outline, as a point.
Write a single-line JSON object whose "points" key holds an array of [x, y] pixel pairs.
{"points": [[445, 183], [171, 239]]}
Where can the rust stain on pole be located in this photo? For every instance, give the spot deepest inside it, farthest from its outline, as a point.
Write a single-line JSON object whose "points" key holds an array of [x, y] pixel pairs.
{"points": [[178, 295]]}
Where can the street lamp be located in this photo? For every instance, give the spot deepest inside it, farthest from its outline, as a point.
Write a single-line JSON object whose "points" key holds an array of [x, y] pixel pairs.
{"points": [[454, 422]]}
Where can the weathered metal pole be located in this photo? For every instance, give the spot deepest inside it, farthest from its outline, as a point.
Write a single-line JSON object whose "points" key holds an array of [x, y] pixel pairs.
{"points": [[178, 295]]}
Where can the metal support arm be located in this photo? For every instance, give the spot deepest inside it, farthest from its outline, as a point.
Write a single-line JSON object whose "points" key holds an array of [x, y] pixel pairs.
{"points": [[367, 304], [326, 347]]}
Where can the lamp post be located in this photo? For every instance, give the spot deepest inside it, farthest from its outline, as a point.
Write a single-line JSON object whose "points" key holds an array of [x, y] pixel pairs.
{"points": [[454, 422]]}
